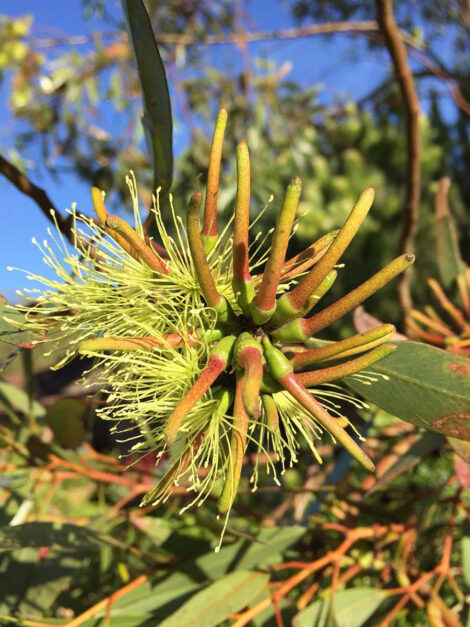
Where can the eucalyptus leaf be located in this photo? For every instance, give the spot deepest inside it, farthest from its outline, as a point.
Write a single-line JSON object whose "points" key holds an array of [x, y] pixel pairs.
{"points": [[14, 328], [64, 536], [157, 121], [65, 418], [18, 399], [423, 385], [449, 259], [214, 604]]}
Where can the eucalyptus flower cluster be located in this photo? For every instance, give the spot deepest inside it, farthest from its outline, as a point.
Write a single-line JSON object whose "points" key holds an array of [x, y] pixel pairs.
{"points": [[204, 340]]}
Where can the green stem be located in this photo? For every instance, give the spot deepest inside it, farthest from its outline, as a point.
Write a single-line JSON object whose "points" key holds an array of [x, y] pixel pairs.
{"points": [[264, 303], [209, 228]]}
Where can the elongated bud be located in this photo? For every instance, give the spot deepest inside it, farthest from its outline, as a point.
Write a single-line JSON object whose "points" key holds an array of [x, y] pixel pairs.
{"points": [[98, 205], [323, 319], [126, 344], [285, 312], [237, 449], [242, 283], [432, 324], [358, 343], [248, 355], [201, 265], [219, 357], [301, 262], [346, 369], [147, 254], [301, 293], [209, 228], [271, 413], [445, 303], [303, 396], [264, 303]]}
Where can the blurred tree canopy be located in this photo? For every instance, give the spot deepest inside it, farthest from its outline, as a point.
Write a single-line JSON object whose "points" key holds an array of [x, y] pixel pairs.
{"points": [[60, 99]]}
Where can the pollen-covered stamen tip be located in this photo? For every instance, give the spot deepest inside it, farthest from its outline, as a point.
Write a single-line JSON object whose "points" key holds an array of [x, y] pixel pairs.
{"points": [[248, 355], [219, 357], [264, 303], [209, 227], [282, 371], [242, 283]]}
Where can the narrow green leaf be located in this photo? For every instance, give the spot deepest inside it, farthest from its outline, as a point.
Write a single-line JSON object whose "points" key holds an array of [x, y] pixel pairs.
{"points": [[352, 608], [65, 418], [461, 447], [214, 604], [157, 122], [428, 442], [449, 259], [423, 385], [268, 549]]}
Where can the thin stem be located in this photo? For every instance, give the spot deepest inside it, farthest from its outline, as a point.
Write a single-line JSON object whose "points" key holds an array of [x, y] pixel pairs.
{"points": [[358, 343], [397, 49], [346, 369], [237, 448], [264, 303], [209, 228], [242, 282], [147, 254]]}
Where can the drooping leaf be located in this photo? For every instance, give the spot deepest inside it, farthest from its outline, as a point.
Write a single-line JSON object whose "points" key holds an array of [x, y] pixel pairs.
{"points": [[214, 604], [14, 329], [423, 385], [449, 258], [428, 442], [157, 122], [65, 418]]}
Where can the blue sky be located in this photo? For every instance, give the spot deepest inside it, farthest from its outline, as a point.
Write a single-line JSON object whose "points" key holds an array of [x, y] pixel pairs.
{"points": [[340, 65]]}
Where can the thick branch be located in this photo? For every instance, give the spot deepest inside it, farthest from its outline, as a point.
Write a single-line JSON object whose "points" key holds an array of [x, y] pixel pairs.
{"points": [[21, 182], [397, 50]]}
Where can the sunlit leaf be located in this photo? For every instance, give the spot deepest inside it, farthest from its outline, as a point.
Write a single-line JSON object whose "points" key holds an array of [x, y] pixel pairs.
{"points": [[423, 385], [214, 604], [156, 120]]}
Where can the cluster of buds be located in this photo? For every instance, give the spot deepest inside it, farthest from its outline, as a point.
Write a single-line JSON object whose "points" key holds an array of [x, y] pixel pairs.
{"points": [[204, 352], [449, 329]]}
